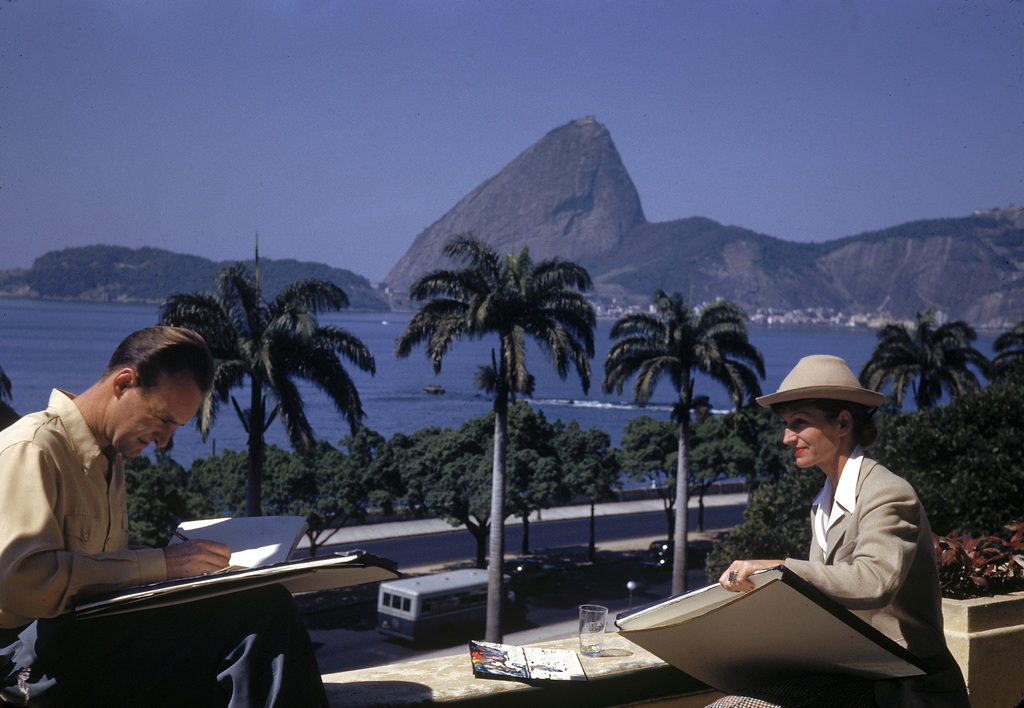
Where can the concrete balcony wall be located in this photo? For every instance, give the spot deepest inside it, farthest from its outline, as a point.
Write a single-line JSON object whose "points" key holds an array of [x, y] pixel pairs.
{"points": [[986, 637]]}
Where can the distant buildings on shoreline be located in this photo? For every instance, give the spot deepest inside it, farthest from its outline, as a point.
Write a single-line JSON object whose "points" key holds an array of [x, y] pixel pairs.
{"points": [[771, 316], [821, 316]]}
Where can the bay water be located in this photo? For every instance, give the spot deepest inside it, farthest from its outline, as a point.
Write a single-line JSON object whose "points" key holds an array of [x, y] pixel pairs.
{"points": [[46, 344]]}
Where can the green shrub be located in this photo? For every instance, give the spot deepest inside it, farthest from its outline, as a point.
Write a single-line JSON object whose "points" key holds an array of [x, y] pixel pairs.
{"points": [[156, 499], [776, 522], [965, 459]]}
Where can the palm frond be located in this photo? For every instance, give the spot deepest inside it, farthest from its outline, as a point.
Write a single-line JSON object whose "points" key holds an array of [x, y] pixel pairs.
{"points": [[929, 360], [271, 344]]}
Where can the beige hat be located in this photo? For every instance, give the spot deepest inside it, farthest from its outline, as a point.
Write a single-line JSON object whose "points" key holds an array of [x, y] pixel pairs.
{"points": [[822, 376]]}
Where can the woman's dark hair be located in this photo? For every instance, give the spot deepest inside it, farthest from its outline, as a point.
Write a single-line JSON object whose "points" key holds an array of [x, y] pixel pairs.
{"points": [[864, 429], [164, 351]]}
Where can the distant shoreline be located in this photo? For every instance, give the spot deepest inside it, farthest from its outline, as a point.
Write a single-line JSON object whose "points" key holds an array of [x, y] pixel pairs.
{"points": [[7, 295]]}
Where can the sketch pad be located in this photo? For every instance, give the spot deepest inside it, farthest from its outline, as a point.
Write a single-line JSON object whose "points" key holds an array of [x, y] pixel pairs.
{"points": [[784, 627], [306, 575]]}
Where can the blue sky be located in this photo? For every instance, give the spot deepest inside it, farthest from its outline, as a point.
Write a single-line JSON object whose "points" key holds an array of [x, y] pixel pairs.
{"points": [[340, 129]]}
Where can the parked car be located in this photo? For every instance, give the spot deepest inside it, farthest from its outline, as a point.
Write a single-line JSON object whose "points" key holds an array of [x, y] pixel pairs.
{"points": [[659, 554], [532, 576]]}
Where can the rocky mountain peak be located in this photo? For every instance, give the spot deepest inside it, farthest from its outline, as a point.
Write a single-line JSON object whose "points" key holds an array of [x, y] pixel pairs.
{"points": [[567, 195]]}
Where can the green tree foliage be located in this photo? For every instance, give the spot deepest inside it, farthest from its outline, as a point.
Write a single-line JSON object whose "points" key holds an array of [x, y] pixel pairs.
{"points": [[216, 484], [328, 486], [447, 472], [591, 467], [718, 452], [965, 459], [534, 475], [1010, 345], [928, 360], [511, 298], [370, 455], [775, 523], [272, 344], [674, 342], [754, 430], [649, 452], [157, 499]]}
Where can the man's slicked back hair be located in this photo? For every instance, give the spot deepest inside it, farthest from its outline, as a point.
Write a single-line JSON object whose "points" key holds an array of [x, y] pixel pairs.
{"points": [[164, 351]]}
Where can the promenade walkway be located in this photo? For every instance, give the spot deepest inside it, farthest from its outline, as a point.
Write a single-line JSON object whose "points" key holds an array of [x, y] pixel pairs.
{"points": [[352, 535]]}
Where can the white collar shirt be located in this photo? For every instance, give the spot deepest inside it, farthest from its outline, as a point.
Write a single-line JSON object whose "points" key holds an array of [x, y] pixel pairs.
{"points": [[832, 504]]}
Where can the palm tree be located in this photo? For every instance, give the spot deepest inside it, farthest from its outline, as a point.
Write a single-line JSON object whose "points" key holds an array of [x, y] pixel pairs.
{"points": [[7, 414], [675, 341], [272, 343], [1010, 345], [5, 385], [513, 298], [927, 360]]}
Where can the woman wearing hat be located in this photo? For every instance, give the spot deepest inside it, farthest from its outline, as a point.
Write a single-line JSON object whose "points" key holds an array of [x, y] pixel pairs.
{"points": [[871, 547]]}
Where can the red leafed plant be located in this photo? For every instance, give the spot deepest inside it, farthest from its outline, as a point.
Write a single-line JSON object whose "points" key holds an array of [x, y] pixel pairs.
{"points": [[981, 567]]}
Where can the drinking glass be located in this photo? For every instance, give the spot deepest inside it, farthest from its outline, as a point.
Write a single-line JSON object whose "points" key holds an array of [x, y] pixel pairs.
{"points": [[592, 622]]}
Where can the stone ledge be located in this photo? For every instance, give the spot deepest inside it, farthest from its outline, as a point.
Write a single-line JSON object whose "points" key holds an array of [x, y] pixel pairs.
{"points": [[624, 674], [986, 637]]}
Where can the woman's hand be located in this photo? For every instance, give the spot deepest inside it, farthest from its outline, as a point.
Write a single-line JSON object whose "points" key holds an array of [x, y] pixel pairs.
{"points": [[735, 577]]}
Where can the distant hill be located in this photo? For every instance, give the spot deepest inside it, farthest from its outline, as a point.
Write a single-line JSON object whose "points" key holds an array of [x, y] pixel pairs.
{"points": [[569, 195], [119, 274], [971, 268]]}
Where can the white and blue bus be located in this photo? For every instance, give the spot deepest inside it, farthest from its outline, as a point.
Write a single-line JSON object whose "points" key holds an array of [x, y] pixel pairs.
{"points": [[414, 608]]}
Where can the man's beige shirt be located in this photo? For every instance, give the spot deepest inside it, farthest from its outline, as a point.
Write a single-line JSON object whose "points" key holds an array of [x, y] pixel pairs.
{"points": [[63, 527]]}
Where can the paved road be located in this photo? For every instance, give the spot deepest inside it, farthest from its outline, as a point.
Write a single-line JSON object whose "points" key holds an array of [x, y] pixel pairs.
{"points": [[360, 536], [451, 546]]}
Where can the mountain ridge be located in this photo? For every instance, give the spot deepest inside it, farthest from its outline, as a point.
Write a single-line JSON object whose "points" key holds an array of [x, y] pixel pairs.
{"points": [[569, 195]]}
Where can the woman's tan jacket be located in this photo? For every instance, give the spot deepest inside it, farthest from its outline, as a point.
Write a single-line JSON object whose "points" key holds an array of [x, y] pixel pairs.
{"points": [[880, 564]]}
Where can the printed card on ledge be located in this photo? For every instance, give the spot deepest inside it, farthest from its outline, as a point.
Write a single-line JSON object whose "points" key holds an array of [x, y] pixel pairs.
{"points": [[508, 661]]}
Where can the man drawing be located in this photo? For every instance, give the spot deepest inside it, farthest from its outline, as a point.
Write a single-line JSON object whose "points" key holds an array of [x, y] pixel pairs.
{"points": [[64, 535]]}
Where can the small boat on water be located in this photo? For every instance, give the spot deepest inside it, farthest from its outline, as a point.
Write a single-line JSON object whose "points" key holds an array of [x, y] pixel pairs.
{"points": [[434, 388]]}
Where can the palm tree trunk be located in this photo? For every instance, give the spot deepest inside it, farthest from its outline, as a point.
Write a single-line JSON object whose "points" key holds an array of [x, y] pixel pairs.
{"points": [[666, 506], [592, 546], [257, 453], [700, 505], [525, 549], [480, 537], [679, 569], [496, 559]]}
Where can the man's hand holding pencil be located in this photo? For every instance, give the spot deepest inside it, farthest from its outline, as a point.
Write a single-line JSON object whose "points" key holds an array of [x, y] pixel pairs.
{"points": [[190, 558]]}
